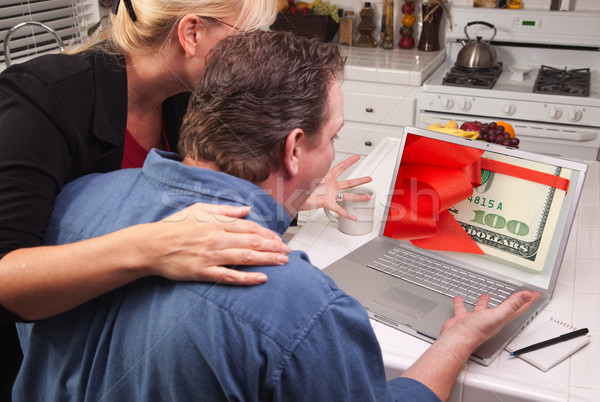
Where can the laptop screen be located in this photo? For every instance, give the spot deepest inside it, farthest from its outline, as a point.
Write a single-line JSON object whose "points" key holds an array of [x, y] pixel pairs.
{"points": [[506, 211]]}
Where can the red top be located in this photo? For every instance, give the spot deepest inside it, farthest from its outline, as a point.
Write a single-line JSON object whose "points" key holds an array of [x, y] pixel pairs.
{"points": [[134, 154]]}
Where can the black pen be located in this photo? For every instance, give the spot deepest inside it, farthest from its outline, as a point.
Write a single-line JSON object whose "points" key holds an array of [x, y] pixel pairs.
{"points": [[552, 341]]}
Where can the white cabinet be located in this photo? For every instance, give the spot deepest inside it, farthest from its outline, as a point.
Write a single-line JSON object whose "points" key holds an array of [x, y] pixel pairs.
{"points": [[373, 111]]}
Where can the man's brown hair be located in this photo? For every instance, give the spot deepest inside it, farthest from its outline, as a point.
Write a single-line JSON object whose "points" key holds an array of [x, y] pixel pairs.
{"points": [[256, 88]]}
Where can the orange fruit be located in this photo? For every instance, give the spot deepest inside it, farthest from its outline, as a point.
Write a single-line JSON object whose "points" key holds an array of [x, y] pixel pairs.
{"points": [[409, 20], [507, 128]]}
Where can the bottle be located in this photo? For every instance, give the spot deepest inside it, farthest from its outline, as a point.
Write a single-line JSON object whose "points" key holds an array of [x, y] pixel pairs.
{"points": [[387, 25], [365, 26], [347, 28], [477, 3], [490, 3]]}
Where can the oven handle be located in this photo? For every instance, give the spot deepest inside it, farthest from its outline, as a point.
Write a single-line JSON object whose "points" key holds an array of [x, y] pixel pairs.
{"points": [[523, 131], [579, 136]]}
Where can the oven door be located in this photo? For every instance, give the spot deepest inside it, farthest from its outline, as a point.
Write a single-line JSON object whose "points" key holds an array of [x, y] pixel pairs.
{"points": [[552, 139]]}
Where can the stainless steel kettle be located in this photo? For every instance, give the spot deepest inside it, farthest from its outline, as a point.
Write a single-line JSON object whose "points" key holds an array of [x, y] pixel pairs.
{"points": [[477, 54]]}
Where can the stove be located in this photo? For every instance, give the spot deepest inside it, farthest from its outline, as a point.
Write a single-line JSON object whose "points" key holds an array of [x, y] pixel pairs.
{"points": [[555, 81], [472, 77], [554, 107]]}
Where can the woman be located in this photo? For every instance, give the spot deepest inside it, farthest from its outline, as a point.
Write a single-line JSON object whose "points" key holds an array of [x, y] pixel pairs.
{"points": [[100, 109]]}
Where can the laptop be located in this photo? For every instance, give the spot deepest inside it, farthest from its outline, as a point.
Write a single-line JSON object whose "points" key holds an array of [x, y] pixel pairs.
{"points": [[466, 217]]}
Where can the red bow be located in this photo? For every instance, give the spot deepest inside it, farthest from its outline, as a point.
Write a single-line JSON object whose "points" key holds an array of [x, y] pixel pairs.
{"points": [[433, 176]]}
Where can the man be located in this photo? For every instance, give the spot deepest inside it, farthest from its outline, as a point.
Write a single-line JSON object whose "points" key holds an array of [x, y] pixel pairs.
{"points": [[259, 132]]}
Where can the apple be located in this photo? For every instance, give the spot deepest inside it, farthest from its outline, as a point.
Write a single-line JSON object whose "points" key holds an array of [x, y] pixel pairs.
{"points": [[469, 126], [406, 42], [408, 7]]}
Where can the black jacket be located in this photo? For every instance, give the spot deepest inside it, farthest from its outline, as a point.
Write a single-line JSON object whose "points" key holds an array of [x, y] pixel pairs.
{"points": [[61, 117]]}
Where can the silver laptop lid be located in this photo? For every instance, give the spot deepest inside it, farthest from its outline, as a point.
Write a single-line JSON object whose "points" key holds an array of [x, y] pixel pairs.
{"points": [[500, 210]]}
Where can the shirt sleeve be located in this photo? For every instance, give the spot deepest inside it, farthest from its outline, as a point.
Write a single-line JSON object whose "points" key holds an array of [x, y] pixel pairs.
{"points": [[33, 159], [34, 163], [340, 359]]}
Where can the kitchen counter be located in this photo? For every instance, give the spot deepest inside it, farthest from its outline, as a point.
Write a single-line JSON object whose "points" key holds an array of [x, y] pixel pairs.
{"points": [[576, 298], [394, 66]]}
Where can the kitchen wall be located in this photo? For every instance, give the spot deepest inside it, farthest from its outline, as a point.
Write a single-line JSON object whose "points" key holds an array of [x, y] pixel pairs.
{"points": [[576, 5], [356, 5]]}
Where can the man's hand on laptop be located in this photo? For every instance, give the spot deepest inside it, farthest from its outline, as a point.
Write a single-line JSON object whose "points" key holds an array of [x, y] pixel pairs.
{"points": [[480, 325], [441, 364]]}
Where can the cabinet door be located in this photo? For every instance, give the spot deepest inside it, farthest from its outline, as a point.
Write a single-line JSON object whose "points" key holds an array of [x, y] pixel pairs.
{"points": [[361, 138], [393, 105]]}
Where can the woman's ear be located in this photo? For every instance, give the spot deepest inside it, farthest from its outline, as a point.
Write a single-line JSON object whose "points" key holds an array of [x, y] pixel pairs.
{"points": [[293, 151], [188, 33]]}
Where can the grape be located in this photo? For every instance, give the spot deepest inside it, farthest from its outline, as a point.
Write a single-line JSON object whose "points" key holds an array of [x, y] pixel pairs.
{"points": [[493, 125], [485, 127], [324, 8], [514, 142], [500, 128]]}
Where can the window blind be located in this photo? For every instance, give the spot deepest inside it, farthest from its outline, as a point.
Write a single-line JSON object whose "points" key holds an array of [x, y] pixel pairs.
{"points": [[69, 18]]}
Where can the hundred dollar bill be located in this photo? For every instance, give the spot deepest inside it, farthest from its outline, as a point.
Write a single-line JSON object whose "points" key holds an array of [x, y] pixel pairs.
{"points": [[513, 218]]}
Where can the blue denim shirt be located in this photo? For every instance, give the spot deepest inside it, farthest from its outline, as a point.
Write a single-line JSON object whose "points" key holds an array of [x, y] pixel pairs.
{"points": [[297, 337]]}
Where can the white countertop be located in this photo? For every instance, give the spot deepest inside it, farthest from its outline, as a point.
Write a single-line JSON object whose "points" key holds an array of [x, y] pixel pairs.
{"points": [[393, 66], [576, 300]]}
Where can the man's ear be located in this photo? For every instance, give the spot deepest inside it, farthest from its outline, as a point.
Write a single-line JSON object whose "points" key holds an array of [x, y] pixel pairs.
{"points": [[294, 146], [188, 33]]}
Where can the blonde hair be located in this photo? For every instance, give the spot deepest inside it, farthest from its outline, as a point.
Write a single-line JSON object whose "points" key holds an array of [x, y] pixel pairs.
{"points": [[157, 18]]}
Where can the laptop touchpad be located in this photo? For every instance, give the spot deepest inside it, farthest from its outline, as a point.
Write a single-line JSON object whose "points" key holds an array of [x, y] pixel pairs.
{"points": [[405, 302]]}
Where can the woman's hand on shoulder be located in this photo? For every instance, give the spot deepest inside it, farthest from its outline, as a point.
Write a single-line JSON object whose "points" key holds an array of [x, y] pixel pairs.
{"points": [[196, 244]]}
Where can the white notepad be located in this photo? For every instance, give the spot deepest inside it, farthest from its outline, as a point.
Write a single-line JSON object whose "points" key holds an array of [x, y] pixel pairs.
{"points": [[549, 356]]}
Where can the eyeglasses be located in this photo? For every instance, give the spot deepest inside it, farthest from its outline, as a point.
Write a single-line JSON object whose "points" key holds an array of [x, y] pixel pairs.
{"points": [[222, 22]]}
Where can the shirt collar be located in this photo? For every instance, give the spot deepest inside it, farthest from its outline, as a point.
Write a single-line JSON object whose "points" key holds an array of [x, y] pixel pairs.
{"points": [[165, 170]]}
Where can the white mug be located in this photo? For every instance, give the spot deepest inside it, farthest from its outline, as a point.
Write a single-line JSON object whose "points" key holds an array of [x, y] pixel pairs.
{"points": [[363, 210]]}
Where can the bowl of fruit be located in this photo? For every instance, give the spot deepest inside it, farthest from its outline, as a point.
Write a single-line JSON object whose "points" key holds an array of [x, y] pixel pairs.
{"points": [[317, 19], [497, 132]]}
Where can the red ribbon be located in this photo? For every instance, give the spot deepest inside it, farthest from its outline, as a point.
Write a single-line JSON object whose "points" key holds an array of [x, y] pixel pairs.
{"points": [[546, 179], [433, 176]]}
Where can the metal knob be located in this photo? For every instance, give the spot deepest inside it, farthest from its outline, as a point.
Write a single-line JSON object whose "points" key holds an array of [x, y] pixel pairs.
{"points": [[369, 110], [24, 24]]}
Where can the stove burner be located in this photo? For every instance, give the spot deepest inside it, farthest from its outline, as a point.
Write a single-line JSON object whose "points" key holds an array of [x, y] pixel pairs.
{"points": [[459, 76], [555, 81]]}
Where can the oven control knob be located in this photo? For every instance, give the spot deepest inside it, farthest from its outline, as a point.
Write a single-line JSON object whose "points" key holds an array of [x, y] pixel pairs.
{"points": [[555, 113], [465, 105], [447, 103], [575, 115], [509, 109]]}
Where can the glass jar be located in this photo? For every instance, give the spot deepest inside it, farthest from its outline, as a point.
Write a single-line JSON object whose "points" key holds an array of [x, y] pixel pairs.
{"points": [[430, 31]]}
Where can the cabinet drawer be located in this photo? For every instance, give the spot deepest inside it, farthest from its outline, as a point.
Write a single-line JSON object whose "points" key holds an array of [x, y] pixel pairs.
{"points": [[361, 138], [379, 109]]}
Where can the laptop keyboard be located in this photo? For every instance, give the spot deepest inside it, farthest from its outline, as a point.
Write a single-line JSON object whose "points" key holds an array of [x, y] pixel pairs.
{"points": [[443, 279]]}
